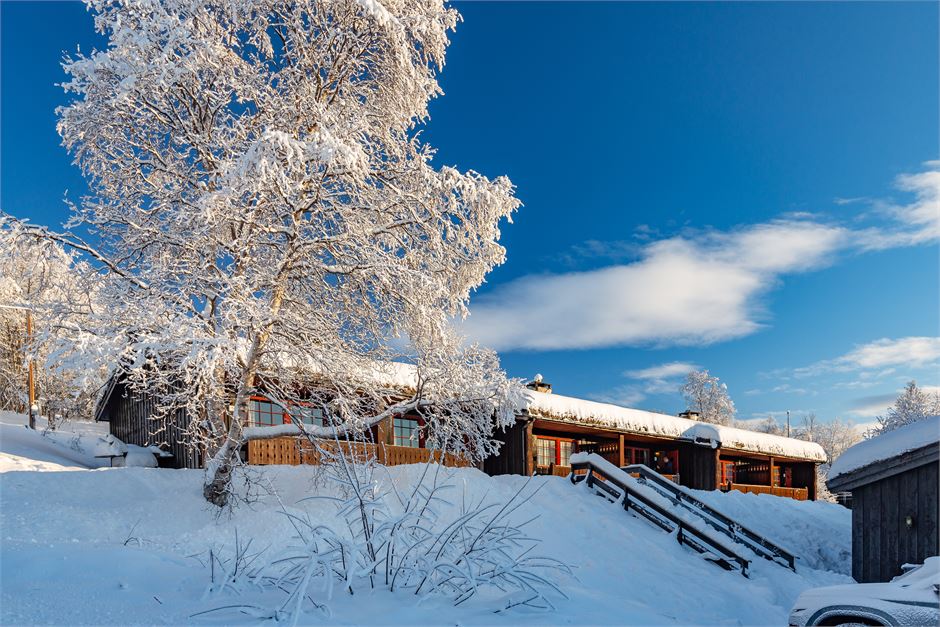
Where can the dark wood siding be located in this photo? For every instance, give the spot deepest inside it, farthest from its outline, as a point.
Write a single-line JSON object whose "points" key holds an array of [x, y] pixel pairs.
{"points": [[511, 459], [804, 476], [881, 538], [131, 419], [698, 466]]}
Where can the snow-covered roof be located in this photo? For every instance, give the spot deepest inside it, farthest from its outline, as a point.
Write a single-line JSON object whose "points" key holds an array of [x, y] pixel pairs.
{"points": [[887, 445], [636, 421]]}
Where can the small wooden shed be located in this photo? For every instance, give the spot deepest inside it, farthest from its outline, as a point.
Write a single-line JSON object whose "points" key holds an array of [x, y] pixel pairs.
{"points": [[893, 479]]}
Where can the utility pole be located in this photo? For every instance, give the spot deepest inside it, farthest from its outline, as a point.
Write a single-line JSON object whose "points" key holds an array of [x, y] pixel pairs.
{"points": [[788, 423], [30, 377]]}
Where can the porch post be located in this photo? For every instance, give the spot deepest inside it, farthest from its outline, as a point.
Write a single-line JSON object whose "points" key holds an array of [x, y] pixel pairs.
{"points": [[811, 488], [621, 452], [716, 473], [771, 481], [530, 449]]}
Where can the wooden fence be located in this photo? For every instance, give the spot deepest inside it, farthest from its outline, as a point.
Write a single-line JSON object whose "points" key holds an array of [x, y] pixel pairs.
{"points": [[293, 451], [800, 494]]}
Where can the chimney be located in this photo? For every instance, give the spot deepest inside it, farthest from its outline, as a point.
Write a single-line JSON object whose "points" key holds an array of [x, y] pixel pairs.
{"points": [[691, 415], [539, 385]]}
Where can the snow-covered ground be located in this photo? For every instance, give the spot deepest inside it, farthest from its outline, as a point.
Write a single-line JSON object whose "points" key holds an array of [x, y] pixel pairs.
{"points": [[87, 545]]}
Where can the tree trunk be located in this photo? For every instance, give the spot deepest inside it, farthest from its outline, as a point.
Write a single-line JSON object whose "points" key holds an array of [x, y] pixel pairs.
{"points": [[217, 489]]}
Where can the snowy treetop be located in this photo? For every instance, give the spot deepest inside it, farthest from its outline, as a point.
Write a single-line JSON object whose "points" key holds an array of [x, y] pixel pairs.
{"points": [[568, 409], [887, 445]]}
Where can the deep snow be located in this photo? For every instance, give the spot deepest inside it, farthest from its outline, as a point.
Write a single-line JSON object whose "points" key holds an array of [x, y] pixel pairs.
{"points": [[128, 546]]}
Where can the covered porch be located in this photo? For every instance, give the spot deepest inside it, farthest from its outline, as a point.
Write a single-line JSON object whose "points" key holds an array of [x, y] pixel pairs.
{"points": [[551, 444], [395, 441], [778, 476]]}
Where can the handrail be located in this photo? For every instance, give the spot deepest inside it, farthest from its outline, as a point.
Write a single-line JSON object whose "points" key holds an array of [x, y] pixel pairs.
{"points": [[686, 534], [733, 529]]}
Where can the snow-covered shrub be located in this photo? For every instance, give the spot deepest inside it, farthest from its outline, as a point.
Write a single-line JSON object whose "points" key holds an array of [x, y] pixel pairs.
{"points": [[427, 541]]}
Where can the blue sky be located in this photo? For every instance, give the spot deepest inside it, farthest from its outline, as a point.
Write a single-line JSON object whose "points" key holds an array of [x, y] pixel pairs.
{"points": [[740, 187]]}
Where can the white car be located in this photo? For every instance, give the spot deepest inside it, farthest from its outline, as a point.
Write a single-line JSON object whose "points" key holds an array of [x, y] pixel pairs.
{"points": [[909, 599]]}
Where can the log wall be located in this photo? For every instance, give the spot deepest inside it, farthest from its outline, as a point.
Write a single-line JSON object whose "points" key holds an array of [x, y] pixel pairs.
{"points": [[881, 539]]}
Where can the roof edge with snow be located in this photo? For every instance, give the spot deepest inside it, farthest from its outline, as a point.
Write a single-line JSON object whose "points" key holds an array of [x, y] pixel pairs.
{"points": [[887, 454], [646, 423]]}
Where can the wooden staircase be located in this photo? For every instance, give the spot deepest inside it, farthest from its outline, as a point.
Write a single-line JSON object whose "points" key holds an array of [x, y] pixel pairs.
{"points": [[673, 508]]}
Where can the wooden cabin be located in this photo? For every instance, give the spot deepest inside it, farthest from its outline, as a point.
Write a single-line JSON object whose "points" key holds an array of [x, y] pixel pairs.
{"points": [[551, 427], [893, 479], [548, 430], [132, 418]]}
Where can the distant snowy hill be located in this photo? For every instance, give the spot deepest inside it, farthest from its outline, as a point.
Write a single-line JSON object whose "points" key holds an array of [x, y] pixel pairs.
{"points": [[129, 546]]}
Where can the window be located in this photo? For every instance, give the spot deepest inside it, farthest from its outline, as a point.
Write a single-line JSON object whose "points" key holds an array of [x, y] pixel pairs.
{"points": [[264, 413], [727, 472], [554, 451], [636, 456], [406, 432], [546, 452], [311, 416]]}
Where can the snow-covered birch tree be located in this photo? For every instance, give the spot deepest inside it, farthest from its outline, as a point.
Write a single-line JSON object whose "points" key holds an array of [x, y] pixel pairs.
{"points": [[267, 210], [41, 279], [709, 397], [911, 405]]}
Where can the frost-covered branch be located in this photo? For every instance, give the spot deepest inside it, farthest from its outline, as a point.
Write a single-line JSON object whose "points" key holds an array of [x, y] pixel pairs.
{"points": [[257, 165]]}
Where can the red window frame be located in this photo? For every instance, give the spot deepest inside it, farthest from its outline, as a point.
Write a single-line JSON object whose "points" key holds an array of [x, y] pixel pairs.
{"points": [[630, 455], [728, 472], [254, 413], [285, 413], [557, 446], [416, 429]]}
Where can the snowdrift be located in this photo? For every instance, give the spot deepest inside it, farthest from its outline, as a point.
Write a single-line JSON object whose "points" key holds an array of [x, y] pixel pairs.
{"points": [[128, 546]]}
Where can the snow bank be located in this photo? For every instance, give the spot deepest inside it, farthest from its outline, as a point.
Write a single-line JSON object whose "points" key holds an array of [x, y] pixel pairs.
{"points": [[568, 409], [816, 531], [129, 546], [68, 449], [887, 445]]}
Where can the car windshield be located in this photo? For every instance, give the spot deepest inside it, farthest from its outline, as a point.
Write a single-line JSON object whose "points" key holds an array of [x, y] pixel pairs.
{"points": [[928, 571]]}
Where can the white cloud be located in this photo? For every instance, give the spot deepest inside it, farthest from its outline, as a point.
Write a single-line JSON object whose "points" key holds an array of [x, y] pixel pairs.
{"points": [[662, 371], [691, 289], [661, 379], [684, 290], [917, 222], [624, 395], [871, 406], [912, 352]]}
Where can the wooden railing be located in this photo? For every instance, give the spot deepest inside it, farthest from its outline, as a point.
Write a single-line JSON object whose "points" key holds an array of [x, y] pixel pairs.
{"points": [[800, 494], [295, 451], [633, 473], [696, 534], [554, 470], [681, 496]]}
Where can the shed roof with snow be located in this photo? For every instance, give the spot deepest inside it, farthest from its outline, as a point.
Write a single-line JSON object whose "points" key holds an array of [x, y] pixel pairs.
{"points": [[887, 454]]}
